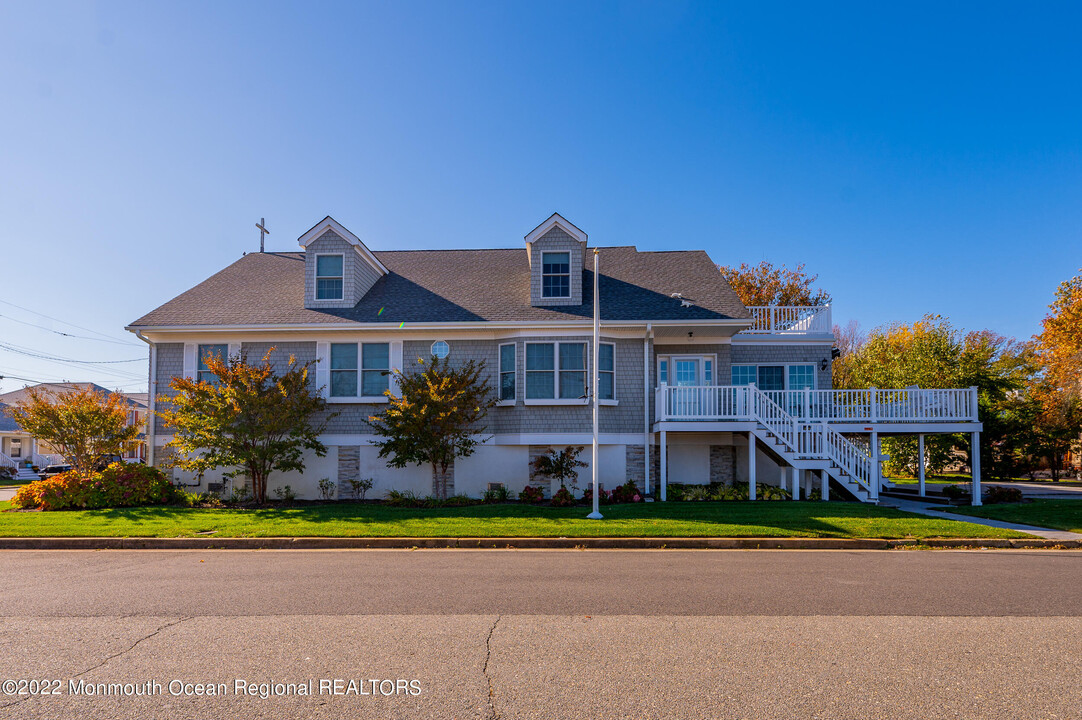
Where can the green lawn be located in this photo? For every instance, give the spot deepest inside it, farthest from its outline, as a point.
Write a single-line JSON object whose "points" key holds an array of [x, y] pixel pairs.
{"points": [[1056, 514], [705, 519]]}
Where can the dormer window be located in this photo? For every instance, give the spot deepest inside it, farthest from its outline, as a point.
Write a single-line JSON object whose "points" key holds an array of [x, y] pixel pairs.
{"points": [[329, 277], [556, 275]]}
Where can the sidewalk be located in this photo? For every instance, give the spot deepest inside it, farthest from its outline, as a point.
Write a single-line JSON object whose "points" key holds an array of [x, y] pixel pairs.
{"points": [[938, 511]]}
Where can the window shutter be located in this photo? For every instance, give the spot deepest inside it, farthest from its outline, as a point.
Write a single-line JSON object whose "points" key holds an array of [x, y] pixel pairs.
{"points": [[323, 368], [396, 364], [190, 350]]}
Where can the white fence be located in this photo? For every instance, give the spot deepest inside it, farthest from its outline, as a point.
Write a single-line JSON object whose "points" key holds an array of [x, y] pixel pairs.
{"points": [[736, 402], [790, 319]]}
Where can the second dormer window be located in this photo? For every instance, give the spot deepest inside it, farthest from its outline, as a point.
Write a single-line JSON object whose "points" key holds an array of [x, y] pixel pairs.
{"points": [[555, 275], [328, 277]]}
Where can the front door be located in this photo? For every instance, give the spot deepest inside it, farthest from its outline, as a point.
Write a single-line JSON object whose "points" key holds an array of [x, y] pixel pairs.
{"points": [[688, 376], [16, 447]]}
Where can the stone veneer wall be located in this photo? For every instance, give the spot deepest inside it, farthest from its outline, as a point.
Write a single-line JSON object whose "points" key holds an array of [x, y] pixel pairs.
{"points": [[635, 464], [349, 468], [722, 464]]}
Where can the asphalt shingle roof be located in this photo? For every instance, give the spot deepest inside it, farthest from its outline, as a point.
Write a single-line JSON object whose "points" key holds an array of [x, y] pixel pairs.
{"points": [[456, 286]]}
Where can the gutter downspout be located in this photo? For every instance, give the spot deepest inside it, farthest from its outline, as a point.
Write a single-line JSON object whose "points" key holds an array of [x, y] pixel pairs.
{"points": [[152, 391]]}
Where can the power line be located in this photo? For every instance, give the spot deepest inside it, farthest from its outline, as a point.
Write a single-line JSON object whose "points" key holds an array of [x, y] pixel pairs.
{"points": [[70, 335], [115, 372], [65, 322], [44, 356]]}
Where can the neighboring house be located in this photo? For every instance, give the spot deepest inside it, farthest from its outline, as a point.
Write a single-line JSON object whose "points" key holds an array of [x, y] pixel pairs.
{"points": [[690, 379], [18, 447]]}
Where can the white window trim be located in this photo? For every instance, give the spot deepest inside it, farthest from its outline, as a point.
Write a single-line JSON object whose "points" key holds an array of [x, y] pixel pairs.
{"points": [[545, 274], [357, 399], [602, 401], [315, 281], [786, 365], [585, 402], [499, 374], [713, 357]]}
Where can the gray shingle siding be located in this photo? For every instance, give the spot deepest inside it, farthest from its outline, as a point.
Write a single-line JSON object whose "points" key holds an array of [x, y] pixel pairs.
{"points": [[784, 354], [170, 364], [358, 276], [556, 240]]}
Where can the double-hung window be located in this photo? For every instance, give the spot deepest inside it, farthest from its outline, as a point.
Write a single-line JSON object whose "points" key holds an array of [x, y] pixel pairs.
{"points": [[329, 274], [572, 371], [359, 366], [540, 371], [606, 371], [344, 370], [204, 374], [556, 275], [507, 372]]}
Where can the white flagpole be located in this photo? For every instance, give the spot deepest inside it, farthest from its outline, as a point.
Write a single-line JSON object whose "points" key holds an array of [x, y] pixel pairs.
{"points": [[596, 514]]}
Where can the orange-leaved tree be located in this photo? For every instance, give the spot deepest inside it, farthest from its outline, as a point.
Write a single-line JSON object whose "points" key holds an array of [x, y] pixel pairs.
{"points": [[1059, 351], [764, 284], [250, 418], [82, 423]]}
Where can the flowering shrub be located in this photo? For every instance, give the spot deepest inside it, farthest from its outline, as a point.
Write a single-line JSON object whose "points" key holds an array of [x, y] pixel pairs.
{"points": [[627, 492], [603, 497], [531, 494], [997, 494], [119, 485], [563, 498]]}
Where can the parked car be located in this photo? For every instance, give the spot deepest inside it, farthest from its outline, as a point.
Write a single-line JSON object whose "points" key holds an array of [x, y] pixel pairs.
{"points": [[105, 461], [51, 470]]}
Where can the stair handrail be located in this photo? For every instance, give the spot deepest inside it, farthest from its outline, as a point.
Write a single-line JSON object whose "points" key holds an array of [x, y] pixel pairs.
{"points": [[772, 416], [6, 461], [848, 456]]}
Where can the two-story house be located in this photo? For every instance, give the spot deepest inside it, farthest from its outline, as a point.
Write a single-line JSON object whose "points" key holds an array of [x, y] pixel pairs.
{"points": [[693, 386]]}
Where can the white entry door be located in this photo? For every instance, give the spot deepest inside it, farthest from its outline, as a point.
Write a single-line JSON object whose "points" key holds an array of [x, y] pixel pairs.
{"points": [[687, 376]]}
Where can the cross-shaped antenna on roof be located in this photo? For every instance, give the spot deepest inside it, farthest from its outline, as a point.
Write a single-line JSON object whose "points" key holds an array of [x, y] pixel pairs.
{"points": [[262, 225]]}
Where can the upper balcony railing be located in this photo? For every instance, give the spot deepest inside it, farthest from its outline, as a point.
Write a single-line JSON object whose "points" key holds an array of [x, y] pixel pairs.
{"points": [[873, 405], [790, 320]]}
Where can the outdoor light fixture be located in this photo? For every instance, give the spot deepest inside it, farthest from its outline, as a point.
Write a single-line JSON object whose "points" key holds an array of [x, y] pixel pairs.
{"points": [[823, 364]]}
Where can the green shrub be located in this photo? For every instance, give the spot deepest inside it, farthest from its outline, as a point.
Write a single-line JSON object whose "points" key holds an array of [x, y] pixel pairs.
{"points": [[955, 492], [360, 487], [498, 494], [240, 494], [119, 485], [453, 501], [995, 494], [406, 498], [285, 493], [326, 489]]}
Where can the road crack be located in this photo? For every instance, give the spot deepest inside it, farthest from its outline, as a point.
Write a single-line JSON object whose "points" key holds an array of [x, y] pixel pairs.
{"points": [[134, 645], [111, 657], [484, 670]]}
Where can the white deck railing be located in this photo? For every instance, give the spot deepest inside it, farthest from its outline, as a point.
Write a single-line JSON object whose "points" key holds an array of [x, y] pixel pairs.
{"points": [[790, 319], [5, 461], [736, 402]]}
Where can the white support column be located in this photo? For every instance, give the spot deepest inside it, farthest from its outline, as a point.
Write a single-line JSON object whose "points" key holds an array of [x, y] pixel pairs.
{"points": [[806, 483], [794, 480], [824, 485], [646, 410], [920, 464], [664, 466], [975, 448], [876, 470], [751, 465]]}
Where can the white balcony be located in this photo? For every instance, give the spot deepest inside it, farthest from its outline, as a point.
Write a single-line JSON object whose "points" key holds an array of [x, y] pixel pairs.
{"points": [[790, 320], [873, 405]]}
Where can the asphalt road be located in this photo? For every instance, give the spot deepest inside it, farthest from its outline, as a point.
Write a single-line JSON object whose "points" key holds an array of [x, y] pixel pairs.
{"points": [[549, 634]]}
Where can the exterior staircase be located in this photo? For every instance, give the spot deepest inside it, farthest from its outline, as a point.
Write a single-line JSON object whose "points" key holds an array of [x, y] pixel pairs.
{"points": [[24, 473], [813, 446]]}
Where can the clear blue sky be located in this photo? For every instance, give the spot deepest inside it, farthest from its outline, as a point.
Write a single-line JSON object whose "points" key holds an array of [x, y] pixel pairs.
{"points": [[919, 157]]}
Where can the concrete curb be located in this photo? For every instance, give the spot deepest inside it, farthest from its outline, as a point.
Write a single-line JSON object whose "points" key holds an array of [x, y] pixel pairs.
{"points": [[630, 543]]}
